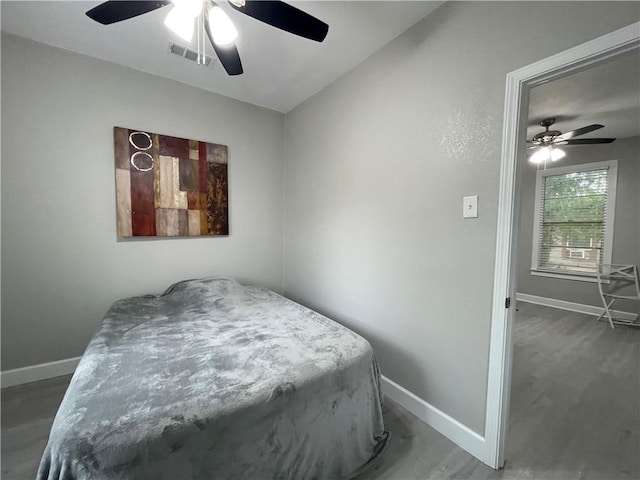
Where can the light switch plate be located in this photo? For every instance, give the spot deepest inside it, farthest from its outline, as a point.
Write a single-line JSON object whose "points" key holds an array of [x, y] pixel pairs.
{"points": [[470, 207]]}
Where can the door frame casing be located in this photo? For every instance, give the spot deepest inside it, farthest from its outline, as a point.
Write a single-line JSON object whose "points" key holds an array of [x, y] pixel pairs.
{"points": [[518, 84]]}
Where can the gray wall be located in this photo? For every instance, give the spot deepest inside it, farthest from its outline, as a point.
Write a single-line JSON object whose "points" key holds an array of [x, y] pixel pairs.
{"points": [[626, 235], [376, 167], [62, 264]]}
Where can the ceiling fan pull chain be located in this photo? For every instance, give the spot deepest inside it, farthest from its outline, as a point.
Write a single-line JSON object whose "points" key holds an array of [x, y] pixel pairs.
{"points": [[199, 36], [199, 59], [204, 45], [201, 39]]}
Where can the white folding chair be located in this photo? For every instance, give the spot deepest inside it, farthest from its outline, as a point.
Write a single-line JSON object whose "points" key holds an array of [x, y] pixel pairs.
{"points": [[618, 282]]}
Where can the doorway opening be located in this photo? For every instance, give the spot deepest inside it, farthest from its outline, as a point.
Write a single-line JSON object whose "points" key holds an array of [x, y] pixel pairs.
{"points": [[518, 86]]}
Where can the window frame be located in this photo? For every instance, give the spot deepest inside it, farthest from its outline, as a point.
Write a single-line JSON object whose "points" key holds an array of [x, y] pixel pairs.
{"points": [[607, 251]]}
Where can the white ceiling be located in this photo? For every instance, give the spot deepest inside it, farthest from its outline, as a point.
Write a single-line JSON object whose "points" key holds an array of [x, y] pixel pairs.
{"points": [[607, 93], [281, 70]]}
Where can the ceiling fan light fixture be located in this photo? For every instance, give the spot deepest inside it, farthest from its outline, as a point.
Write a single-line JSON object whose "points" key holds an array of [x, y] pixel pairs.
{"points": [[180, 24], [222, 28], [556, 154], [545, 154], [539, 156]]}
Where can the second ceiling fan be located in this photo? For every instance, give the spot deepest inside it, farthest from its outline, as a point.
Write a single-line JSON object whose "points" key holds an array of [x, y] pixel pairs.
{"points": [[545, 142], [217, 25]]}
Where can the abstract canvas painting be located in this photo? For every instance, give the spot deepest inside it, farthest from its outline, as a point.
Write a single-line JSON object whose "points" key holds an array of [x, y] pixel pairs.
{"points": [[168, 186]]}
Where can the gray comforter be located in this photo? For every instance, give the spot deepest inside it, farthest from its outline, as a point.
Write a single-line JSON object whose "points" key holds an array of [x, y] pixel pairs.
{"points": [[213, 379]]}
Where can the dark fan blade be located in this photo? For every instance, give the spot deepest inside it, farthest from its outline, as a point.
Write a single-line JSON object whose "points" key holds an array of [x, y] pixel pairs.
{"points": [[579, 131], [285, 17], [115, 11], [590, 141], [228, 54], [229, 58]]}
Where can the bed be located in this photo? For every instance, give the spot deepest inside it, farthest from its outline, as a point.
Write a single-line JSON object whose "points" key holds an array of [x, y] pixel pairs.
{"points": [[213, 379]]}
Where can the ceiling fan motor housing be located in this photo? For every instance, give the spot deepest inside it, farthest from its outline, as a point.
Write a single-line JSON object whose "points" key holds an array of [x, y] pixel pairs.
{"points": [[548, 135]]}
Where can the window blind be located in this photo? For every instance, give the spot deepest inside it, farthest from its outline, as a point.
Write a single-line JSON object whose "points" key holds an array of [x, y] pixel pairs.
{"points": [[573, 221]]}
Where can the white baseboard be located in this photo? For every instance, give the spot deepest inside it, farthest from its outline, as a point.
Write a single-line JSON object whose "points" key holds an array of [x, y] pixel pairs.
{"points": [[574, 307], [448, 426], [34, 373]]}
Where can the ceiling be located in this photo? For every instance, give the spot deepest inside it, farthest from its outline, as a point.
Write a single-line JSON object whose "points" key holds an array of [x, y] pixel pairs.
{"points": [[607, 93], [281, 70]]}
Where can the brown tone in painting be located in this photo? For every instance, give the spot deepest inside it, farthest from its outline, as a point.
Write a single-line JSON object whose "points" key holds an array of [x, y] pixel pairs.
{"points": [[217, 203], [169, 186]]}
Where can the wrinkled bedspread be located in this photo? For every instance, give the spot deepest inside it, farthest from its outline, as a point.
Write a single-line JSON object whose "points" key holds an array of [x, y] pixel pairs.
{"points": [[213, 379]]}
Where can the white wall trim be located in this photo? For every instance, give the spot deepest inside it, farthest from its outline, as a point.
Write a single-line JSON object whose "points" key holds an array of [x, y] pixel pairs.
{"points": [[574, 307], [518, 84], [577, 278], [448, 426], [34, 373]]}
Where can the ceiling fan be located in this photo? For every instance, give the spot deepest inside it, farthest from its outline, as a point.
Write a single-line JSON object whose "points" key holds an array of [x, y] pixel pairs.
{"points": [[546, 141], [215, 22]]}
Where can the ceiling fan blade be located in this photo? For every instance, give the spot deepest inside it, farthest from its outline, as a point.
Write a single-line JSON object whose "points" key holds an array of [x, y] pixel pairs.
{"points": [[115, 11], [579, 131], [589, 141], [227, 54], [229, 58], [285, 17]]}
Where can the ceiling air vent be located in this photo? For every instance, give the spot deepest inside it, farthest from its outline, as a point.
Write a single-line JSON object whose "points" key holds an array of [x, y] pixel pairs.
{"points": [[184, 52]]}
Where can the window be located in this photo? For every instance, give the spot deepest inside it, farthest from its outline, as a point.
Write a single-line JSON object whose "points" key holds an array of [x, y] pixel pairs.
{"points": [[573, 220]]}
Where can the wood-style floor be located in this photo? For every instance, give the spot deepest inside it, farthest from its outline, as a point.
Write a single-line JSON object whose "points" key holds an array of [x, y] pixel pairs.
{"points": [[575, 411]]}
